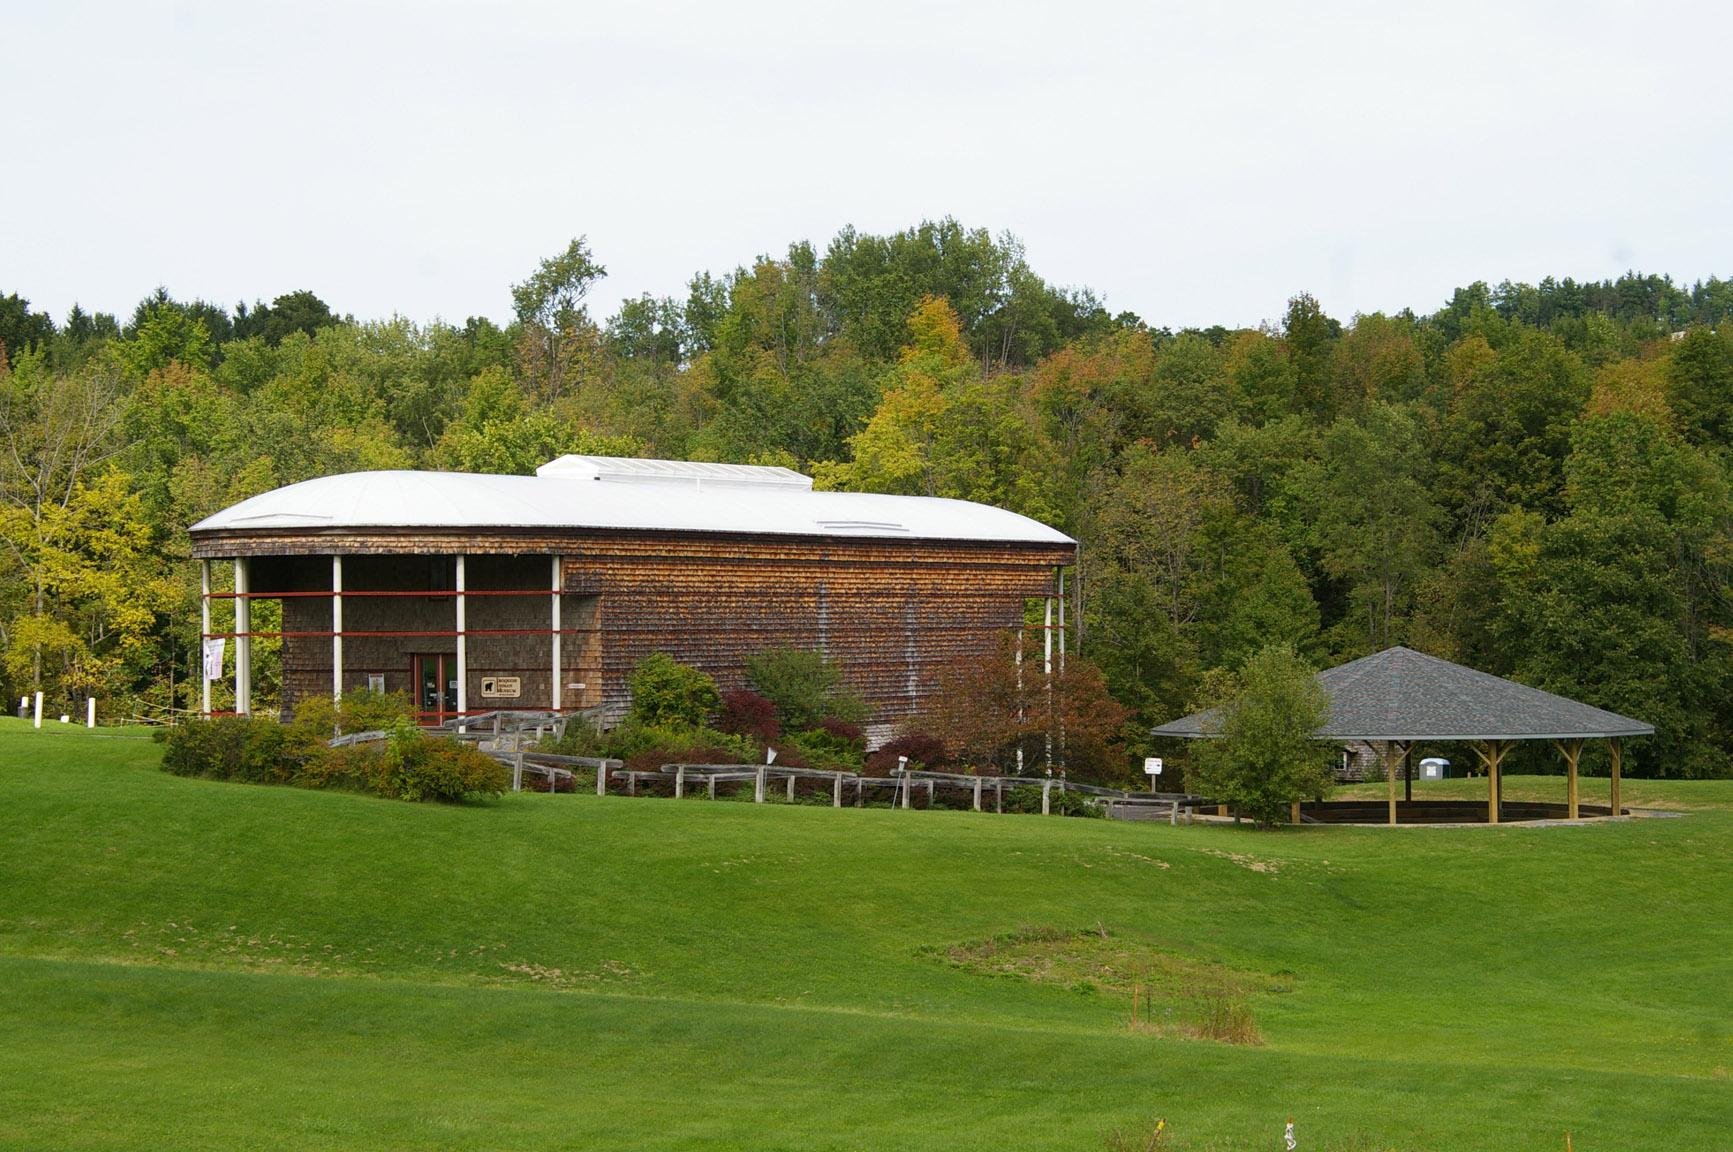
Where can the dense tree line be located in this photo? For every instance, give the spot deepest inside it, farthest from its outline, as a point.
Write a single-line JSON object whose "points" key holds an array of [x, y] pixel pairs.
{"points": [[1533, 479]]}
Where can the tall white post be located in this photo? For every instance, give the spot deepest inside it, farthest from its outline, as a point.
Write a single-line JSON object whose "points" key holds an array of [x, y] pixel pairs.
{"points": [[90, 713], [243, 638], [1047, 638], [204, 636], [336, 628], [462, 645], [39, 709], [559, 674], [1019, 662], [1047, 666], [1061, 619]]}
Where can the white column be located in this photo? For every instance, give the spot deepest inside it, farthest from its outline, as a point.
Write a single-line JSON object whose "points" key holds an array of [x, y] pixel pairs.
{"points": [[1047, 666], [1020, 687], [559, 674], [90, 713], [204, 635], [336, 628], [1062, 620], [243, 639], [462, 645], [1047, 638]]}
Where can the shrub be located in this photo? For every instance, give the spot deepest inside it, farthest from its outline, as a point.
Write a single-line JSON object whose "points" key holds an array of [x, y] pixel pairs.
{"points": [[844, 734], [367, 711], [832, 747], [651, 759], [411, 765], [747, 713], [667, 692], [228, 748], [805, 686], [671, 741], [317, 718], [353, 768], [306, 738], [417, 766], [923, 749], [581, 738], [1026, 798]]}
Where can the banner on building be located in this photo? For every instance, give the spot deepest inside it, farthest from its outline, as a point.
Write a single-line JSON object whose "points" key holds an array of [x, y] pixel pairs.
{"points": [[214, 658]]}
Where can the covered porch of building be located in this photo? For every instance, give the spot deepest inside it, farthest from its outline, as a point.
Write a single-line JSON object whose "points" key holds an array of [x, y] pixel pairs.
{"points": [[459, 634]]}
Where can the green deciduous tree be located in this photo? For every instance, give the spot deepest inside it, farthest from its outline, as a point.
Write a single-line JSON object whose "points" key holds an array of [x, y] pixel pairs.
{"points": [[1508, 429], [550, 306], [1623, 602], [1370, 520], [165, 332], [1700, 384], [1262, 756]]}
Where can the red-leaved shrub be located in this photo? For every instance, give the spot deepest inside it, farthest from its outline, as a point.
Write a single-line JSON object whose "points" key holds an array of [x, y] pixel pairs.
{"points": [[922, 749], [843, 732], [747, 713]]}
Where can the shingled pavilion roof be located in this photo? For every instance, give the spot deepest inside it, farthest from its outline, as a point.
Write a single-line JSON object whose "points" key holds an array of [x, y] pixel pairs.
{"points": [[1403, 695]]}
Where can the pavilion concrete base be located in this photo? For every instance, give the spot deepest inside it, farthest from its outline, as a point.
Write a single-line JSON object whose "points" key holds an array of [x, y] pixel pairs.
{"points": [[1440, 812]]}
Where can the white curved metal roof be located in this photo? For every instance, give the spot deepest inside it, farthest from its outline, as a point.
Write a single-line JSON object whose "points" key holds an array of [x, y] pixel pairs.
{"points": [[577, 497]]}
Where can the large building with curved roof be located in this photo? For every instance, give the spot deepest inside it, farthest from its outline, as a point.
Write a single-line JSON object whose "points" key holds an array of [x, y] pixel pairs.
{"points": [[477, 592]]}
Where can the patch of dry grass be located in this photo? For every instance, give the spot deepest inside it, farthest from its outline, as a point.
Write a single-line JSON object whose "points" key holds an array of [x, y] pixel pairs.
{"points": [[1168, 993]]}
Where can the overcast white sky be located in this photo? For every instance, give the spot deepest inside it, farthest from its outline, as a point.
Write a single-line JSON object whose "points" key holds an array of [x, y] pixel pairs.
{"points": [[1196, 163]]}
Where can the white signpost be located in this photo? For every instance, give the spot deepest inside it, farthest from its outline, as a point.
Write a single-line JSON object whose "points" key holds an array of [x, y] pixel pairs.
{"points": [[1152, 769]]}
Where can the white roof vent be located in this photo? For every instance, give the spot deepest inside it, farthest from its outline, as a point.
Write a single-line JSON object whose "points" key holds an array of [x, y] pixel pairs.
{"points": [[689, 473], [870, 527]]}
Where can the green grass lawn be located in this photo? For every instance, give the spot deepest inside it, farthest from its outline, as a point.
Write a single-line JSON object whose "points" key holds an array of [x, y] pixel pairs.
{"points": [[194, 965]]}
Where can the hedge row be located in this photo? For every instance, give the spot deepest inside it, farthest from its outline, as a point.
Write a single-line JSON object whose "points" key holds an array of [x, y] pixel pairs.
{"points": [[408, 765]]}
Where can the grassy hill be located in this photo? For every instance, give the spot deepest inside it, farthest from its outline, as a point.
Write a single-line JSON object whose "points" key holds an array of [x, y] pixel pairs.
{"points": [[198, 965]]}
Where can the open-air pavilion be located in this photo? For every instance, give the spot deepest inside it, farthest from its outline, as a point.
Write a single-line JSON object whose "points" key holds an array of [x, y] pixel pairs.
{"points": [[1399, 697]]}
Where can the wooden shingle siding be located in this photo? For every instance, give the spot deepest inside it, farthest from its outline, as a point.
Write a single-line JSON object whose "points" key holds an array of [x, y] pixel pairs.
{"points": [[889, 612]]}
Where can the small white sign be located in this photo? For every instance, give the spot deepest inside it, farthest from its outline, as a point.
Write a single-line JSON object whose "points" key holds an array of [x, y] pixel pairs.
{"points": [[1152, 765]]}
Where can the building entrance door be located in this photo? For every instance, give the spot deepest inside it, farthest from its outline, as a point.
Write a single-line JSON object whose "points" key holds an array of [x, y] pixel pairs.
{"points": [[434, 675]]}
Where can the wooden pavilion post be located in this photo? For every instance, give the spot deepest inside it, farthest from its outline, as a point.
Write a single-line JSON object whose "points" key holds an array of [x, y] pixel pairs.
{"points": [[1491, 752], [1572, 751], [1395, 753], [1616, 750]]}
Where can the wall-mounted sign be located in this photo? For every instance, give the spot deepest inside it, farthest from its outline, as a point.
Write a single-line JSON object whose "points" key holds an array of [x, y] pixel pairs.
{"points": [[502, 687]]}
